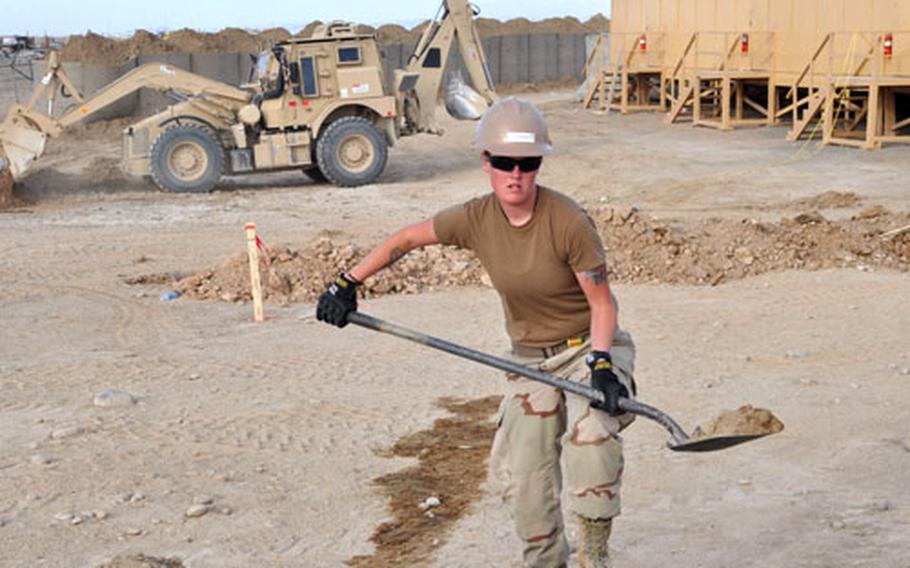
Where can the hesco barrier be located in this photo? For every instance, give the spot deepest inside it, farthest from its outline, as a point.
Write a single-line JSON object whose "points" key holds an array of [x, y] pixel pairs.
{"points": [[519, 58]]}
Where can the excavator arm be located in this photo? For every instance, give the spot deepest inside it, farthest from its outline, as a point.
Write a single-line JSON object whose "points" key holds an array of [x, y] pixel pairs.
{"points": [[417, 86], [25, 130]]}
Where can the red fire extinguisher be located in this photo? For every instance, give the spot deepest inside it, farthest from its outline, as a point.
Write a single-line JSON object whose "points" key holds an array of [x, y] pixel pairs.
{"points": [[889, 45], [744, 43], [643, 43]]}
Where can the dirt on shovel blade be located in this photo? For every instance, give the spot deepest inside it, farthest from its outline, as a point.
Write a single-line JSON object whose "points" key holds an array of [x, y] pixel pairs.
{"points": [[744, 421]]}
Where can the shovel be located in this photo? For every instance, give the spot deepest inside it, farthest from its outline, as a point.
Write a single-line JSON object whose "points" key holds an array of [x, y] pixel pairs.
{"points": [[682, 442]]}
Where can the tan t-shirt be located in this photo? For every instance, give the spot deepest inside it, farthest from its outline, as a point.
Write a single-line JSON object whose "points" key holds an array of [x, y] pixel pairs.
{"points": [[533, 266]]}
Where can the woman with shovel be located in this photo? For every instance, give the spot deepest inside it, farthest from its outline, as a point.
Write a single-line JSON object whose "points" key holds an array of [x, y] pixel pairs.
{"points": [[547, 263]]}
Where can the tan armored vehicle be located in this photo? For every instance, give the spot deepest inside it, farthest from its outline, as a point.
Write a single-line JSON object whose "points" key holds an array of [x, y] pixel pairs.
{"points": [[318, 104]]}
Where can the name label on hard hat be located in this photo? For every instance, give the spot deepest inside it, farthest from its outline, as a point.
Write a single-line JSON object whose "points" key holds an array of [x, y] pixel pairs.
{"points": [[519, 138]]}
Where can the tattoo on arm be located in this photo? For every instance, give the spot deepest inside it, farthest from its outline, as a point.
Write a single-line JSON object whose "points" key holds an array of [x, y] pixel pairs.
{"points": [[396, 255], [597, 275]]}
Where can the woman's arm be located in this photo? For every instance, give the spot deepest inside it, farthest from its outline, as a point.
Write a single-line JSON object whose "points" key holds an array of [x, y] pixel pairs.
{"points": [[603, 311], [393, 248]]}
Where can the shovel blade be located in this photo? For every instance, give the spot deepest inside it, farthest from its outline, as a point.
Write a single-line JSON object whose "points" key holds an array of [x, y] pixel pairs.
{"points": [[713, 444]]}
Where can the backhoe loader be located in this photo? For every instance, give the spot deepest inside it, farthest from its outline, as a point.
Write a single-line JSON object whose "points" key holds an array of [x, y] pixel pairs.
{"points": [[317, 104]]}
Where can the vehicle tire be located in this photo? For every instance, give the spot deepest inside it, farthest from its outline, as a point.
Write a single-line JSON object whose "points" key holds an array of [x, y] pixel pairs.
{"points": [[315, 174], [186, 158], [351, 151]]}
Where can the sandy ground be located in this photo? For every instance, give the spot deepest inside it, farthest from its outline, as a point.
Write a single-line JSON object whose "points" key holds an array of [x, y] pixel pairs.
{"points": [[282, 426]]}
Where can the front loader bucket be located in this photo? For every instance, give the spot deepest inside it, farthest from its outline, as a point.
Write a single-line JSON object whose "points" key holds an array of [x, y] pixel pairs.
{"points": [[20, 143], [463, 102]]}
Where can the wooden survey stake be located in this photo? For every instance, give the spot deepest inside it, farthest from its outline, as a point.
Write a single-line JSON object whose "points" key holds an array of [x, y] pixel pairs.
{"points": [[255, 280]]}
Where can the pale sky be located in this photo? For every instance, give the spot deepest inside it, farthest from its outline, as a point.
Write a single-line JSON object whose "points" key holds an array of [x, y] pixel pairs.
{"points": [[109, 17]]}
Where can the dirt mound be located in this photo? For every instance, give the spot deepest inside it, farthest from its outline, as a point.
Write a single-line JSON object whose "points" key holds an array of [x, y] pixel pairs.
{"points": [[187, 40], [488, 27], [717, 250], [641, 250], [301, 275], [393, 33], [307, 30], [273, 35], [597, 23], [142, 561], [428, 499], [101, 50], [744, 421], [828, 200], [94, 48]]}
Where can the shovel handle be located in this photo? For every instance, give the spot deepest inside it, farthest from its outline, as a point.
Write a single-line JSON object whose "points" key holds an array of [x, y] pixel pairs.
{"points": [[629, 405]]}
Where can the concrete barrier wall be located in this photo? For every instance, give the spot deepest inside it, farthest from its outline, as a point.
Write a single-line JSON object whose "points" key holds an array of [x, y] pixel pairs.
{"points": [[521, 58]]}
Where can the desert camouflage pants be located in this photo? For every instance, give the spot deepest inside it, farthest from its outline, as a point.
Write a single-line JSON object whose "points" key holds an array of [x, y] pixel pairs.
{"points": [[540, 424]]}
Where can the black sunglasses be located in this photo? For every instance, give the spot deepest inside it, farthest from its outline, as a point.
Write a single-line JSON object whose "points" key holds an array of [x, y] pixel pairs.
{"points": [[507, 164]]}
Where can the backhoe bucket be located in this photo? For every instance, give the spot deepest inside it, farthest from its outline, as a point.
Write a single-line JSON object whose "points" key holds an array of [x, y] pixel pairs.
{"points": [[20, 143], [463, 102]]}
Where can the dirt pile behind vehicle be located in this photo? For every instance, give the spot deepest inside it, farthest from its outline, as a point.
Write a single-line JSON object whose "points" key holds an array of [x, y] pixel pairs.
{"points": [[102, 50]]}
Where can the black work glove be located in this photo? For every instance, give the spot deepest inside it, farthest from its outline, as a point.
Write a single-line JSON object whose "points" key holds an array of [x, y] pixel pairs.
{"points": [[604, 379], [339, 299]]}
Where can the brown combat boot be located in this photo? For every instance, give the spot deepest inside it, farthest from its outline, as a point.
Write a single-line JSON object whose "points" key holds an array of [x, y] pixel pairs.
{"points": [[593, 538]]}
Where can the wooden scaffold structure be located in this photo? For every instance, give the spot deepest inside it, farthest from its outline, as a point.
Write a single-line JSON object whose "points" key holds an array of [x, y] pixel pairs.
{"points": [[777, 62]]}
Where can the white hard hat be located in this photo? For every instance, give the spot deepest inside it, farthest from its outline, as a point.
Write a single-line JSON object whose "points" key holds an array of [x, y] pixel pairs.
{"points": [[513, 127]]}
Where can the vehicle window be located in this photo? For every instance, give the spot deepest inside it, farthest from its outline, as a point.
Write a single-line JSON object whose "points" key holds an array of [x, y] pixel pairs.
{"points": [[262, 65], [433, 59], [349, 54], [308, 76]]}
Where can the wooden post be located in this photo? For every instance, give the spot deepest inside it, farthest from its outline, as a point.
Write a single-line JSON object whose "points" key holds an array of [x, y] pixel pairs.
{"points": [[828, 124], [772, 102], [624, 95], [255, 281], [873, 117], [890, 111], [740, 97]]}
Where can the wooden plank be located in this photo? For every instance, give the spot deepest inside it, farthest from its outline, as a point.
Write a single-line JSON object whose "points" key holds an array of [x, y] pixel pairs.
{"points": [[755, 106]]}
